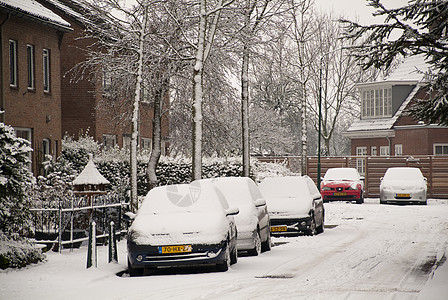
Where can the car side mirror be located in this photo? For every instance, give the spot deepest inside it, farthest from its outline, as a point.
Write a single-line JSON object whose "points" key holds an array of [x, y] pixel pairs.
{"points": [[381, 179], [362, 178], [426, 179], [129, 216], [317, 197], [232, 211], [260, 202]]}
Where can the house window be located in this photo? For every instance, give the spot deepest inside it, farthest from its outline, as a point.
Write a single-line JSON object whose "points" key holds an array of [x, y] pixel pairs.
{"points": [[361, 162], [146, 95], [30, 61], [46, 147], [147, 143], [384, 151], [109, 140], [440, 149], [12, 63], [376, 103], [106, 83], [373, 151], [127, 141], [26, 134], [46, 66], [398, 149]]}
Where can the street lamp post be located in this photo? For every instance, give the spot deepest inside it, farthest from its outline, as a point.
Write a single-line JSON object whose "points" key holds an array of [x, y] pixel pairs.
{"points": [[320, 125]]}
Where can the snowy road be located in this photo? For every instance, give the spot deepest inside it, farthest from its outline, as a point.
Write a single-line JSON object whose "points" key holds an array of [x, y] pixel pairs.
{"points": [[368, 251]]}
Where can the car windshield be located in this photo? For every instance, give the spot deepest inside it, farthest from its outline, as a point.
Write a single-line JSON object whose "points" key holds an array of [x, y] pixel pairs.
{"points": [[341, 174], [181, 198], [284, 187], [403, 174]]}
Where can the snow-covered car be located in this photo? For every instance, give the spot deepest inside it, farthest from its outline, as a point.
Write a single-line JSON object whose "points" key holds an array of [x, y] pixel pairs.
{"points": [[342, 184], [183, 224], [295, 205], [403, 185], [252, 221]]}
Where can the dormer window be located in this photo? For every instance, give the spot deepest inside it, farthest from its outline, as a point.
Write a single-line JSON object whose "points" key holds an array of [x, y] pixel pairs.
{"points": [[376, 102]]}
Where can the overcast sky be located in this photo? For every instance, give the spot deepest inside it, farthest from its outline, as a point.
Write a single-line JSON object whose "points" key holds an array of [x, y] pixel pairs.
{"points": [[352, 9]]}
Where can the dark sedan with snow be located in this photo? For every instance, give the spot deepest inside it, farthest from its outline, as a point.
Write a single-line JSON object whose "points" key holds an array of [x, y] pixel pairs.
{"points": [[184, 224]]}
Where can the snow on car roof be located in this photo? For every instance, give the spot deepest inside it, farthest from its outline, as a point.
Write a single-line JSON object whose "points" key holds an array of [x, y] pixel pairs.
{"points": [[182, 197], [403, 173], [288, 187], [341, 174]]}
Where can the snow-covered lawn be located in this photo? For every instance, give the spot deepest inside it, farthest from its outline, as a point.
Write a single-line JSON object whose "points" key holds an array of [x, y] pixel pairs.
{"points": [[367, 251]]}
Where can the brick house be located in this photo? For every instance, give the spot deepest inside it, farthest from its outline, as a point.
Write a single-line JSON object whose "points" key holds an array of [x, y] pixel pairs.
{"points": [[30, 75], [384, 128], [82, 109], [39, 96]]}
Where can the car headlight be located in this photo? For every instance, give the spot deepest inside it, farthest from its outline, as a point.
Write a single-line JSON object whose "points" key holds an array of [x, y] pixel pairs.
{"points": [[326, 188]]}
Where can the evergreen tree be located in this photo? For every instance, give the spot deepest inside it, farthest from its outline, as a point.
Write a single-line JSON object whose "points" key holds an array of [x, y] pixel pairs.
{"points": [[422, 27], [15, 179]]}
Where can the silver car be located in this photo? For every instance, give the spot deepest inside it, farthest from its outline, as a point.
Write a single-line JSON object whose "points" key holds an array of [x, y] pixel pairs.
{"points": [[252, 221], [403, 185]]}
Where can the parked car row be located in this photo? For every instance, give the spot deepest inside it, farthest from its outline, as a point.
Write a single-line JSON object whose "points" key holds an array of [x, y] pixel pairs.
{"points": [[398, 185], [210, 221]]}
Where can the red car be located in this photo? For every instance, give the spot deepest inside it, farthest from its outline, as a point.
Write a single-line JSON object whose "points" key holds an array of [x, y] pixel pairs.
{"points": [[342, 184]]}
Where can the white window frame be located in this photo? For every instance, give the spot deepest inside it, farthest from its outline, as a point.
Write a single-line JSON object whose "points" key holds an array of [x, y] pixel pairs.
{"points": [[46, 146], [443, 146], [376, 102], [46, 64], [384, 151], [146, 143], [398, 149], [29, 138], [361, 162], [126, 141], [109, 140], [13, 64], [373, 151], [30, 66]]}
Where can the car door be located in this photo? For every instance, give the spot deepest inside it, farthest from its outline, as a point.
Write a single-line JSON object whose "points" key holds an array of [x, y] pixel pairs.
{"points": [[318, 203], [262, 211]]}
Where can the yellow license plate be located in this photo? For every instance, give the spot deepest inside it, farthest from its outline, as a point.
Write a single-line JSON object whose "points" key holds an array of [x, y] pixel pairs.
{"points": [[278, 228], [403, 196], [175, 249], [339, 194]]}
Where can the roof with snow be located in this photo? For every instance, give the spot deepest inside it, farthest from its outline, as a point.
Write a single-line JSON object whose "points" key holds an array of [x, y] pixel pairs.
{"points": [[71, 8], [90, 175], [411, 71], [36, 11]]}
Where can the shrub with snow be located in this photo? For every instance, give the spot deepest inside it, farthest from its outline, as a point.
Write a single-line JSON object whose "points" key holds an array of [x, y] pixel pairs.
{"points": [[17, 252]]}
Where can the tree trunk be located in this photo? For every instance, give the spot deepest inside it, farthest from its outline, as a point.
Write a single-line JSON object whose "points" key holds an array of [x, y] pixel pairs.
{"points": [[135, 117], [304, 133], [156, 150]]}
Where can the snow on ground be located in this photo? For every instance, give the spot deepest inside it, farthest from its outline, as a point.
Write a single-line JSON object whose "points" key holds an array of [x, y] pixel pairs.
{"points": [[367, 251]]}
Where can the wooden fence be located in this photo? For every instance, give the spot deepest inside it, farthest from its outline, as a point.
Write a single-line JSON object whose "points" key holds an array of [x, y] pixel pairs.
{"points": [[434, 168]]}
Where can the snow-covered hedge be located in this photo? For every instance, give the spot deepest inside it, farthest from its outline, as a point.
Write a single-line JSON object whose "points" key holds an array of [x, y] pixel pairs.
{"points": [[17, 252]]}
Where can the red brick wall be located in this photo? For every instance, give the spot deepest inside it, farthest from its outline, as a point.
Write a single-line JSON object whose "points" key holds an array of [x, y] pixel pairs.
{"points": [[35, 109]]}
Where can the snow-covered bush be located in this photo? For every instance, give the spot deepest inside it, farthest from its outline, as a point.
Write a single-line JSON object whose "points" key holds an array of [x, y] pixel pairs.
{"points": [[15, 179], [17, 252], [76, 152], [262, 170]]}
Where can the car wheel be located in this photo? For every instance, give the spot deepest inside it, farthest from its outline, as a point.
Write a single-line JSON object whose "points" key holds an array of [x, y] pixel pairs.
{"points": [[134, 271], [383, 202], [257, 243], [320, 228], [234, 256], [312, 230], [360, 200], [225, 264], [267, 245]]}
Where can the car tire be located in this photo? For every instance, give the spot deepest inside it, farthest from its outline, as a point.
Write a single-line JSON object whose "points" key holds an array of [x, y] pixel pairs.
{"points": [[134, 271], [225, 264], [234, 256], [361, 199], [320, 228], [383, 202], [267, 245], [257, 249], [312, 230]]}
